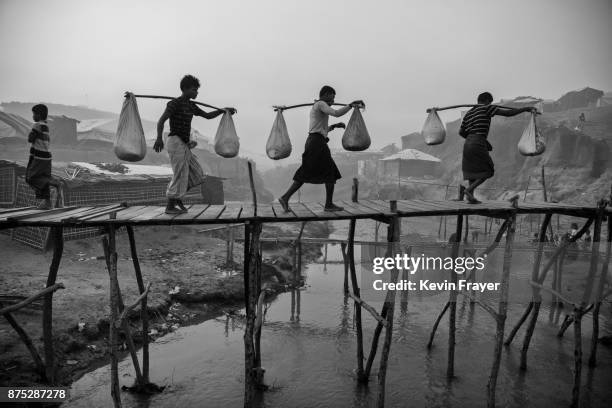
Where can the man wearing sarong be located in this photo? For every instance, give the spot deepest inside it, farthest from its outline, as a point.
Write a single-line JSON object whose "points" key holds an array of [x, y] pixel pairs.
{"points": [[477, 164], [318, 166], [38, 171], [187, 172]]}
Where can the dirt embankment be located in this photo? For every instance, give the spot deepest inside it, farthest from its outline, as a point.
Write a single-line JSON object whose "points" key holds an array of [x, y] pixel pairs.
{"points": [[191, 282]]}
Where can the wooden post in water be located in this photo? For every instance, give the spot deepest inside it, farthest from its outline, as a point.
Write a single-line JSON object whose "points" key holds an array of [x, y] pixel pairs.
{"points": [[252, 184], [355, 190], [356, 292], [346, 267], [114, 302], [123, 322], [57, 235], [598, 299], [579, 310], [500, 318], [253, 375], [536, 300], [450, 368], [393, 234], [144, 315]]}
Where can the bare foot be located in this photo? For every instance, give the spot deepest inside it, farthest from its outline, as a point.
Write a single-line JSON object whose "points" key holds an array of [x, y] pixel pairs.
{"points": [[284, 204]]}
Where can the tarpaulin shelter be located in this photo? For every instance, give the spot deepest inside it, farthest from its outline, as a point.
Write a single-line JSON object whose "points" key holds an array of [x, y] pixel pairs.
{"points": [[62, 129], [410, 163]]}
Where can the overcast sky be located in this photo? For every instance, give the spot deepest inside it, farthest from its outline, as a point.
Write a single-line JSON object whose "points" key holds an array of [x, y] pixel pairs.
{"points": [[399, 56]]}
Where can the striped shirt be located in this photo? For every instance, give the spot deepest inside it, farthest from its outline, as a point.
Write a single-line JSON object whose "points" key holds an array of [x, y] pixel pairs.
{"points": [[39, 137], [478, 120], [181, 111]]}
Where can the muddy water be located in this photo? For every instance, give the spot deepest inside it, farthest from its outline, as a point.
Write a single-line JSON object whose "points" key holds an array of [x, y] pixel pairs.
{"points": [[309, 348]]}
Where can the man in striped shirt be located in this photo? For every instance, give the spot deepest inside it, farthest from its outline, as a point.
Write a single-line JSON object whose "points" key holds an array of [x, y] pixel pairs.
{"points": [[38, 171], [477, 164], [187, 172]]}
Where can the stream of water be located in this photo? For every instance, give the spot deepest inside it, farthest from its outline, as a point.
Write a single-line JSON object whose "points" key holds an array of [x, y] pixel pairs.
{"points": [[309, 354]]}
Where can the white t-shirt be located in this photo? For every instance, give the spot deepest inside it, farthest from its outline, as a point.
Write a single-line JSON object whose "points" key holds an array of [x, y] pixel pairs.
{"points": [[319, 116]]}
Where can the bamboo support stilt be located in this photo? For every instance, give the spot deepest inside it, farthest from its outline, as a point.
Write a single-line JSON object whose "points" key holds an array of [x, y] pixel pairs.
{"points": [[252, 283], [38, 363], [534, 276], [57, 235], [435, 326], [114, 301], [536, 292], [356, 292], [144, 315], [121, 321], [501, 313], [346, 268], [393, 234], [579, 311], [450, 368], [599, 298]]}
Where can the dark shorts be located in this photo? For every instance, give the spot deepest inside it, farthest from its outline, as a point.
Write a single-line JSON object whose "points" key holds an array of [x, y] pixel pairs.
{"points": [[476, 162], [318, 166]]}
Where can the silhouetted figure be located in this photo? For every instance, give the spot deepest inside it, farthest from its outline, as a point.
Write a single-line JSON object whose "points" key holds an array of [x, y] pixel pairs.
{"points": [[477, 164], [318, 166]]}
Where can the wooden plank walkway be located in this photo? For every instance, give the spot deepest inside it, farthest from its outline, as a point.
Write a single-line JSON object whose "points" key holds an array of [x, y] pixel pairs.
{"points": [[239, 213]]}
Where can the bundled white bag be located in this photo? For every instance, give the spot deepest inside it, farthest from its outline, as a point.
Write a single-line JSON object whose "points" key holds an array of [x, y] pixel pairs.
{"points": [[278, 145], [433, 130], [227, 143], [532, 142], [356, 137], [130, 144]]}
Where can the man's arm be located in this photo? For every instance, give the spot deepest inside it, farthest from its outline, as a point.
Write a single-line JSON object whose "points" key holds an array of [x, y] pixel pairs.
{"points": [[159, 142], [213, 114], [208, 115], [511, 112], [328, 110]]}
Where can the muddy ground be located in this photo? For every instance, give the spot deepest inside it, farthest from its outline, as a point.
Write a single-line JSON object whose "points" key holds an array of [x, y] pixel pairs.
{"points": [[191, 282]]}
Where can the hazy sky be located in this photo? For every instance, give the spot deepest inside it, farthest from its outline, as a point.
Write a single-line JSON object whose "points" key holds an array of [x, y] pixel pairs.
{"points": [[399, 56]]}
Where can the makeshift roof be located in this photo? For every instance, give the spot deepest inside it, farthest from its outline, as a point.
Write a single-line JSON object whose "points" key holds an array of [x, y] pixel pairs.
{"points": [[75, 174], [22, 125], [411, 154]]}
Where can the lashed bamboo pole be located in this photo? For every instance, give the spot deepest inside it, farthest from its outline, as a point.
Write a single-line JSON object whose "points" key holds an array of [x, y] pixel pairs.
{"points": [[119, 322], [501, 313], [579, 311], [346, 268], [38, 363], [393, 234], [379, 326], [537, 298], [114, 301], [355, 287], [534, 275], [436, 323], [599, 298], [144, 315], [25, 302], [57, 235], [369, 308], [569, 320], [252, 268], [450, 368]]}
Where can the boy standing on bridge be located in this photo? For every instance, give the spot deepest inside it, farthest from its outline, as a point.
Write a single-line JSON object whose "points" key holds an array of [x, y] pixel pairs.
{"points": [[38, 171], [477, 164], [187, 172], [318, 166]]}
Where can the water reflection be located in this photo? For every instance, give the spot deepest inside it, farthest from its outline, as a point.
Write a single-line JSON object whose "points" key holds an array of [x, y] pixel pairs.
{"points": [[309, 348]]}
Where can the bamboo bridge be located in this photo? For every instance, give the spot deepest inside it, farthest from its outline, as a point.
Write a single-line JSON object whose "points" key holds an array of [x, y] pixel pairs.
{"points": [[252, 215]]}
